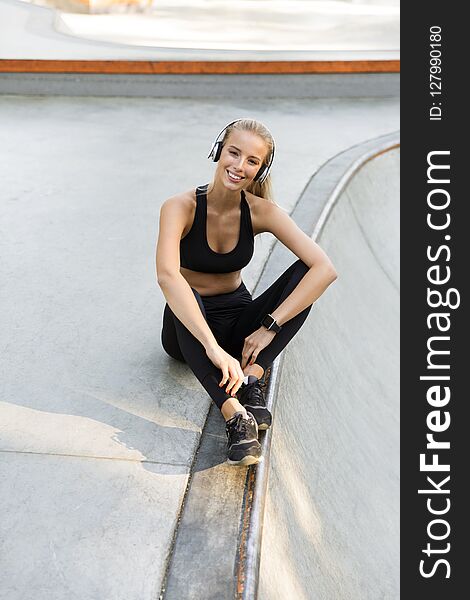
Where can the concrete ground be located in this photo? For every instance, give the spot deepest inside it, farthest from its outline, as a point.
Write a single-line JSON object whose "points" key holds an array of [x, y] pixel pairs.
{"points": [[206, 30], [98, 427]]}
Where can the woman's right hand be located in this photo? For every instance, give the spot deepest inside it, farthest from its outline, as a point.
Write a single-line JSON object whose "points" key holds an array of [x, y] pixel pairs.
{"points": [[230, 367]]}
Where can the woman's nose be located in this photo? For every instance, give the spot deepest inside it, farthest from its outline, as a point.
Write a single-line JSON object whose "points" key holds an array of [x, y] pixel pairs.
{"points": [[238, 164]]}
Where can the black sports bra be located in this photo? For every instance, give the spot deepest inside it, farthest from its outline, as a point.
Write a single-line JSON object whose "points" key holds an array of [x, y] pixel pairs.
{"points": [[197, 255]]}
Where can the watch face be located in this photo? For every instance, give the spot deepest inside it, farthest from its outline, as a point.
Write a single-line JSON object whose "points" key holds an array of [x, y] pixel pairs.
{"points": [[268, 321]]}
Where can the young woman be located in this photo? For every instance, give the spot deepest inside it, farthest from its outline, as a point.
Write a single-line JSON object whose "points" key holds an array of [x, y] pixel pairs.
{"points": [[211, 321]]}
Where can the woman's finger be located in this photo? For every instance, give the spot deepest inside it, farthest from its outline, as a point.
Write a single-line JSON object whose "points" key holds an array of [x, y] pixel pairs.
{"points": [[224, 375], [236, 386], [233, 375], [241, 377], [247, 351], [234, 368], [237, 379]]}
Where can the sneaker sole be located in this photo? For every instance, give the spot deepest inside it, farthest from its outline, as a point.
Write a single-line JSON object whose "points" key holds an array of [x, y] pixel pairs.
{"points": [[263, 426], [245, 461]]}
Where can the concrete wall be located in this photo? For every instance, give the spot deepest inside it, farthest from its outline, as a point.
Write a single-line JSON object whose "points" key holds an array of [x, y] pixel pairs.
{"points": [[331, 526]]}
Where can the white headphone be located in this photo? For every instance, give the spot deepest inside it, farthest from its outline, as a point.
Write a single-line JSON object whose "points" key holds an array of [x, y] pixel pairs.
{"points": [[216, 151]]}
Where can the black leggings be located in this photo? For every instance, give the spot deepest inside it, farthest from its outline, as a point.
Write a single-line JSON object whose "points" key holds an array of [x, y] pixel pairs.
{"points": [[231, 318]]}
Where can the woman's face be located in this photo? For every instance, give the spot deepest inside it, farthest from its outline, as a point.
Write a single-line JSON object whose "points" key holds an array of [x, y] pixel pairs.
{"points": [[241, 158]]}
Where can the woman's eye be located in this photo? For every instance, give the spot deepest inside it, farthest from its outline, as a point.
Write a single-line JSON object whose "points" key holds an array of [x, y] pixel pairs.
{"points": [[233, 152]]}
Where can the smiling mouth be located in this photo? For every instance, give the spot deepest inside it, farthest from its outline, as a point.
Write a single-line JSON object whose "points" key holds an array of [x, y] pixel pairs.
{"points": [[233, 177]]}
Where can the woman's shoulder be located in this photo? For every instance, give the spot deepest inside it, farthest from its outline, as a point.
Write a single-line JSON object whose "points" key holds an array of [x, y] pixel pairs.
{"points": [[183, 200], [257, 203], [260, 208], [264, 212], [179, 208]]}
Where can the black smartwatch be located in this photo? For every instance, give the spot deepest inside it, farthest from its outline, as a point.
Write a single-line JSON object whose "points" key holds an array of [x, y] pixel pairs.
{"points": [[270, 323]]}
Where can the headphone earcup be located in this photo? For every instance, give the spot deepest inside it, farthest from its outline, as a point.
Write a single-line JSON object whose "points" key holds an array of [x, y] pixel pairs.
{"points": [[261, 174], [217, 151]]}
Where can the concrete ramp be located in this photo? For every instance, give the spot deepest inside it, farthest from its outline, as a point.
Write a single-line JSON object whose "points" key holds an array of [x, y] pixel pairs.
{"points": [[114, 484], [331, 522]]}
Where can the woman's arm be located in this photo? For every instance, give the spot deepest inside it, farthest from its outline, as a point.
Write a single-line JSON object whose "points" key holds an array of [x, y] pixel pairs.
{"points": [[320, 275], [310, 288], [179, 295], [174, 286], [321, 271], [184, 306]]}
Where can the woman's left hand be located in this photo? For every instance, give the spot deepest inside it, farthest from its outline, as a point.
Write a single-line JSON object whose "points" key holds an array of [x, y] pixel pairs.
{"points": [[254, 343]]}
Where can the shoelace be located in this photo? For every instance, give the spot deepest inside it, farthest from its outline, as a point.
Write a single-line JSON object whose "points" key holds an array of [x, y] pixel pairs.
{"points": [[239, 426], [256, 394]]}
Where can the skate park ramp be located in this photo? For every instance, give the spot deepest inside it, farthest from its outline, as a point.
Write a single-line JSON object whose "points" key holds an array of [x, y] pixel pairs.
{"points": [[108, 458], [331, 516]]}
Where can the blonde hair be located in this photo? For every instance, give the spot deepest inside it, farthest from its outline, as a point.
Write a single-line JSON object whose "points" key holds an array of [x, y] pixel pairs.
{"points": [[265, 189]]}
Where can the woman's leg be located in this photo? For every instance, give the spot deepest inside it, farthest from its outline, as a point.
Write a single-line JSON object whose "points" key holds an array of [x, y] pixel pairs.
{"points": [[180, 344], [169, 338], [243, 447], [250, 318]]}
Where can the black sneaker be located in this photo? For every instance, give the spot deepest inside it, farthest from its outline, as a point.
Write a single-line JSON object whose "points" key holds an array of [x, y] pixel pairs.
{"points": [[251, 396], [243, 447]]}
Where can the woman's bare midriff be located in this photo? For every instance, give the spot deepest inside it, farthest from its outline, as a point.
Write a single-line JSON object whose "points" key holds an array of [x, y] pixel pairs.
{"points": [[211, 284]]}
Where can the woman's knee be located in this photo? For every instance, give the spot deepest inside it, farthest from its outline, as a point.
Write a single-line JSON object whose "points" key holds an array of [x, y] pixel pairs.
{"points": [[168, 336], [172, 348], [300, 266], [296, 271]]}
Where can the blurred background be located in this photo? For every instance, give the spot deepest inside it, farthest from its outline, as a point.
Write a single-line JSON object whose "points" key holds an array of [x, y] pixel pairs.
{"points": [[258, 25]]}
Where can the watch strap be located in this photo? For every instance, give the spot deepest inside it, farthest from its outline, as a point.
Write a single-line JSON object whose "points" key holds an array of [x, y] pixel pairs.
{"points": [[270, 323]]}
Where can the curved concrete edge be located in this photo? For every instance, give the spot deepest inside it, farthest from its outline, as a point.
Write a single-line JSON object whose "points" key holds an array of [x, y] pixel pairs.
{"points": [[322, 181], [161, 27]]}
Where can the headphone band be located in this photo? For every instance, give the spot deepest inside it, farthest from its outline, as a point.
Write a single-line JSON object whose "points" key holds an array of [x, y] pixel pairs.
{"points": [[217, 149]]}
